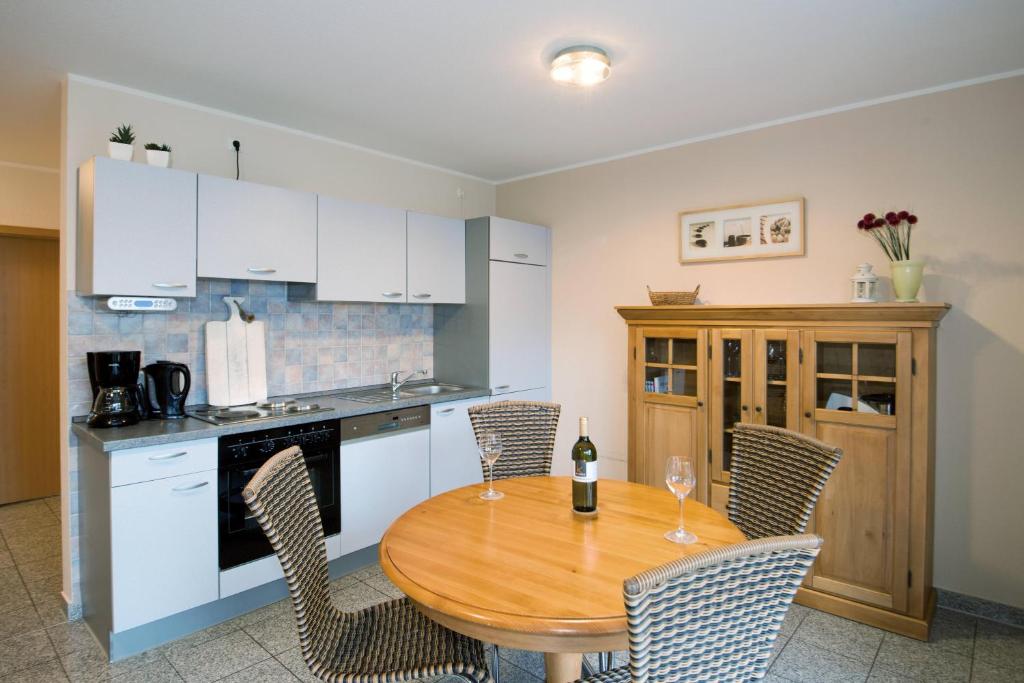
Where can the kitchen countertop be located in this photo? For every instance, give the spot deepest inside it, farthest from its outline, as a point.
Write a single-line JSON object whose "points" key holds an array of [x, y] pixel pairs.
{"points": [[157, 432]]}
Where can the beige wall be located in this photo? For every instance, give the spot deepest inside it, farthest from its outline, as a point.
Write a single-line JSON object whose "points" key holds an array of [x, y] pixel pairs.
{"points": [[29, 197], [955, 158]]}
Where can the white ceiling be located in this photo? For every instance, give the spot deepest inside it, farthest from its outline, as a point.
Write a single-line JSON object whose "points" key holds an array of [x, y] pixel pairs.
{"points": [[463, 84]]}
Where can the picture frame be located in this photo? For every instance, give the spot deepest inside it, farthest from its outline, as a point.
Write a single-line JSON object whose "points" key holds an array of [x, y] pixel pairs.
{"points": [[767, 229]]}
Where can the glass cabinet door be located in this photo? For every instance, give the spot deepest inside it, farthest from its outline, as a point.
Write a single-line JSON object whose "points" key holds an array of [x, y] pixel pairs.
{"points": [[670, 365], [776, 373], [731, 372], [856, 376]]}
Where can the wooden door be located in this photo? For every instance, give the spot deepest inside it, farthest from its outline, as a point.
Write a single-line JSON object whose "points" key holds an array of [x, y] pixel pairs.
{"points": [[856, 395], [436, 248], [776, 382], [29, 313], [731, 394], [669, 416]]}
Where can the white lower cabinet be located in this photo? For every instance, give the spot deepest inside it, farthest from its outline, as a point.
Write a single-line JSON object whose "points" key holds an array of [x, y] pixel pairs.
{"points": [[454, 459], [381, 478], [163, 538]]}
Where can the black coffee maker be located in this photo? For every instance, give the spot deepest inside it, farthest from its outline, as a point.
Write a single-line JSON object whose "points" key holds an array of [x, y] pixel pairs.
{"points": [[167, 385], [117, 394]]}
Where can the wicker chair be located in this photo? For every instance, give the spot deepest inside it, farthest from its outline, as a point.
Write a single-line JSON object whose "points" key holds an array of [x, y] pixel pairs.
{"points": [[712, 616], [775, 479], [385, 643], [527, 431]]}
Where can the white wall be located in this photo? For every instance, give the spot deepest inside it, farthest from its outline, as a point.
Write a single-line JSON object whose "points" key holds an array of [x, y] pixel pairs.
{"points": [[29, 196], [955, 158], [201, 141]]}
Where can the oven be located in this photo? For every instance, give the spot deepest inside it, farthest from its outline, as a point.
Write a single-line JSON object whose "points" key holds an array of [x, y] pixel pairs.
{"points": [[239, 457]]}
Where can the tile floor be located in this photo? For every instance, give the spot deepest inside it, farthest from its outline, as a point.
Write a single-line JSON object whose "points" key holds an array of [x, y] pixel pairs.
{"points": [[37, 644]]}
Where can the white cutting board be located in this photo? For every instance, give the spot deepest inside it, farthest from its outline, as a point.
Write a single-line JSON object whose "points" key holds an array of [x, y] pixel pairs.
{"points": [[236, 359]]}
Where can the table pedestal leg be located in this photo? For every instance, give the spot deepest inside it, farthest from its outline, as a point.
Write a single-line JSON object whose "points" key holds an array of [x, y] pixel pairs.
{"points": [[563, 667]]}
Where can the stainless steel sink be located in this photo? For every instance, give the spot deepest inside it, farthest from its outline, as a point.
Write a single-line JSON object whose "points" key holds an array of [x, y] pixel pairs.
{"points": [[384, 395]]}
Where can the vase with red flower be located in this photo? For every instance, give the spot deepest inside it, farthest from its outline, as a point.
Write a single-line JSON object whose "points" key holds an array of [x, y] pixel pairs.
{"points": [[892, 232]]}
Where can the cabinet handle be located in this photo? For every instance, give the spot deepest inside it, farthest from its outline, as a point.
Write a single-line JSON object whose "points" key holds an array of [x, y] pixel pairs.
{"points": [[262, 270], [391, 295], [744, 408], [446, 411], [521, 255], [700, 404], [170, 285], [757, 409], [502, 386], [807, 414], [421, 296], [190, 487], [168, 456]]}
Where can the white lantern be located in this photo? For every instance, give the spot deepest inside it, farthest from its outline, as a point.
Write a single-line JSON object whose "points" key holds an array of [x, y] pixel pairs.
{"points": [[865, 285]]}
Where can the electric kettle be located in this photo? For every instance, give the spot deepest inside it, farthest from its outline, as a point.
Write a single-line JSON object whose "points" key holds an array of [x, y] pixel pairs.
{"points": [[167, 385]]}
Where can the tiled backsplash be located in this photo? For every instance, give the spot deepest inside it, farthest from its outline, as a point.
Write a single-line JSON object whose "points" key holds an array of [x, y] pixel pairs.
{"points": [[310, 346]]}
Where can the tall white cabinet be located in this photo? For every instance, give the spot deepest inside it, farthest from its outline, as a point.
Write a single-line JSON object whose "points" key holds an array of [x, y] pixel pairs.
{"points": [[501, 338]]}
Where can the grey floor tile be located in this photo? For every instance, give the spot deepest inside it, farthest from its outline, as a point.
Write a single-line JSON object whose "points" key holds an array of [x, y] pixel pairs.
{"points": [[9, 576], [772, 678], [384, 585], [53, 503], [953, 632], [34, 549], [72, 636], [17, 621], [49, 671], [51, 609], [514, 674], [25, 651], [357, 597], [159, 671], [983, 672], [17, 511], [917, 659], [531, 662], [217, 658], [199, 637], [368, 572], [274, 610], [780, 642], [999, 644], [343, 582], [6, 559], [44, 525], [90, 663], [802, 662], [794, 617], [840, 635], [879, 675], [293, 661], [268, 671], [40, 569], [275, 635]]}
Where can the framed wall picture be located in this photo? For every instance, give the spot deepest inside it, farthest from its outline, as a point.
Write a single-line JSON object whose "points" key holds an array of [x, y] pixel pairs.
{"points": [[763, 230]]}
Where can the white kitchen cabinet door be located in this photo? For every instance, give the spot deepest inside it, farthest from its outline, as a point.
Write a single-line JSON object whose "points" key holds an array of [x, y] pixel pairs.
{"points": [[163, 538], [436, 259], [454, 458], [519, 327], [361, 252], [542, 394], [136, 230], [381, 478], [518, 242], [255, 232]]}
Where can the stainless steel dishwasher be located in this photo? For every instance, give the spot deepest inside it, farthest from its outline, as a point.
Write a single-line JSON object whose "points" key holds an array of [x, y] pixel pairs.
{"points": [[385, 470]]}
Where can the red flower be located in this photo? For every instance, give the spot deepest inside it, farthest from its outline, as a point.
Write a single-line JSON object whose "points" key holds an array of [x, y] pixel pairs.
{"points": [[869, 218], [902, 215], [891, 218], [912, 219], [879, 222], [860, 224]]}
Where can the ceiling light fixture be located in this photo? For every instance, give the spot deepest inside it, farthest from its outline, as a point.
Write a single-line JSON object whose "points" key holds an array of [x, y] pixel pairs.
{"points": [[582, 65]]}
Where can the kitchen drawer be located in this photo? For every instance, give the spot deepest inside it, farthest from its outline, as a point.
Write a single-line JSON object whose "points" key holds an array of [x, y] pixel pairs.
{"points": [[133, 465], [518, 242]]}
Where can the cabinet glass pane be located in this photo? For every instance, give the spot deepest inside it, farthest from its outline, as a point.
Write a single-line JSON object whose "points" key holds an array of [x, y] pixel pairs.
{"points": [[775, 405], [878, 360], [878, 397], [684, 382], [835, 394], [732, 359], [656, 381], [775, 365], [730, 404], [835, 359], [656, 350], [727, 451], [684, 352]]}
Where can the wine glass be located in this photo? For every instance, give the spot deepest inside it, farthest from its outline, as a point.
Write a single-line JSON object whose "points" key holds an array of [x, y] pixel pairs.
{"points": [[680, 479], [490, 451]]}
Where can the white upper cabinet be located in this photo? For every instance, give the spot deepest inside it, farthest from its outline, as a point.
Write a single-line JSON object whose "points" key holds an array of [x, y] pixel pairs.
{"points": [[518, 242], [519, 334], [361, 252], [136, 230], [436, 248], [256, 232]]}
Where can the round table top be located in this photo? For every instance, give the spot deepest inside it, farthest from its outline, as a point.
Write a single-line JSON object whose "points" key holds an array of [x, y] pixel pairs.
{"points": [[528, 564]]}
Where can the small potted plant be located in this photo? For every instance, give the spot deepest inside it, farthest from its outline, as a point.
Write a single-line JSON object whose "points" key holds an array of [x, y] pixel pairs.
{"points": [[158, 154], [121, 145], [892, 232]]}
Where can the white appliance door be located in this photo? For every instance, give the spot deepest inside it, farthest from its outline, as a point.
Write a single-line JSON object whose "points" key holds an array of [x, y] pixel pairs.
{"points": [[519, 327], [454, 459]]}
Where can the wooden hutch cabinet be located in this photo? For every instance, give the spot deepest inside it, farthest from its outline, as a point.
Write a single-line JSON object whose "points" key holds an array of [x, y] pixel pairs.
{"points": [[857, 376]]}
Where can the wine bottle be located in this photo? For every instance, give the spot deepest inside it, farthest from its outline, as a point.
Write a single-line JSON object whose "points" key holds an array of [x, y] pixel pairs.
{"points": [[584, 477]]}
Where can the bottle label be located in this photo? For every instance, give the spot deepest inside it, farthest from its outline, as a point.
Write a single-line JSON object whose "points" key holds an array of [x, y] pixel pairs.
{"points": [[585, 471]]}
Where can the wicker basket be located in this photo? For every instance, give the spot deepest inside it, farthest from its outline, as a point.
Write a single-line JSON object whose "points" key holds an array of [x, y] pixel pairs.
{"points": [[672, 298]]}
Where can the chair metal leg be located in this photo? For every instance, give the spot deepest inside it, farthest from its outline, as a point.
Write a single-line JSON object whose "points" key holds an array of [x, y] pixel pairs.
{"points": [[588, 669], [494, 667], [604, 661]]}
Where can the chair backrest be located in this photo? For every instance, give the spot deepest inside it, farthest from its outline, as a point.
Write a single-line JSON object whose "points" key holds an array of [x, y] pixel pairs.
{"points": [[281, 497], [527, 430], [775, 479], [714, 616]]}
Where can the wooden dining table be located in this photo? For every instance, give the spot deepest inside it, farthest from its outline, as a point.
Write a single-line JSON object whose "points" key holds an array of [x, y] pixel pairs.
{"points": [[527, 572]]}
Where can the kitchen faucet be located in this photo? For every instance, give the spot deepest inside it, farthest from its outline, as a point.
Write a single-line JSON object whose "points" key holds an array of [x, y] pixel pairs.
{"points": [[396, 385]]}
